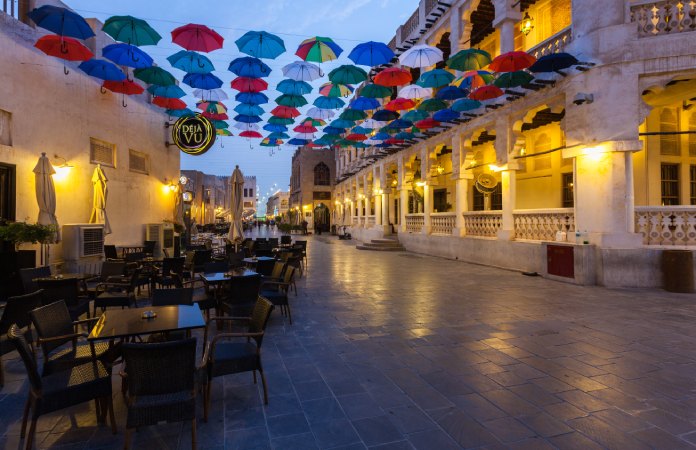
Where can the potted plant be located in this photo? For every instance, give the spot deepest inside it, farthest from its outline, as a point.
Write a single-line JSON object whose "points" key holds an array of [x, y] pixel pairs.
{"points": [[12, 236], [19, 233]]}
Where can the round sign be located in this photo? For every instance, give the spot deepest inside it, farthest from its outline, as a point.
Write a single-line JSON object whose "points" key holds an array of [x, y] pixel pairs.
{"points": [[193, 135]]}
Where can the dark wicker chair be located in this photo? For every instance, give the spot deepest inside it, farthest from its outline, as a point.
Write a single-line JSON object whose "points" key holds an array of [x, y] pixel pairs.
{"points": [[200, 257], [161, 384], [277, 291], [286, 239], [222, 357], [16, 312], [216, 266], [273, 242], [110, 271], [172, 270], [121, 293], [175, 296], [55, 329], [239, 299], [110, 252], [78, 384], [68, 290], [235, 259], [277, 272], [203, 295], [28, 275], [264, 267], [149, 248]]}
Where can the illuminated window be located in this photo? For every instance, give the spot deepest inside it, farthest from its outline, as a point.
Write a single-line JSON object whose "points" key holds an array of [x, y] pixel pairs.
{"points": [[102, 152], [669, 123], [692, 135], [670, 184], [322, 175], [567, 190]]}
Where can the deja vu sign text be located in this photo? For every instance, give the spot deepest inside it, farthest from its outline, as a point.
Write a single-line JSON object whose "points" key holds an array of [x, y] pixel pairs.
{"points": [[193, 135]]}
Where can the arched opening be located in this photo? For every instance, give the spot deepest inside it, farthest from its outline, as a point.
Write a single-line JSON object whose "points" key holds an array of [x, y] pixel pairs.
{"points": [[322, 175], [446, 47]]}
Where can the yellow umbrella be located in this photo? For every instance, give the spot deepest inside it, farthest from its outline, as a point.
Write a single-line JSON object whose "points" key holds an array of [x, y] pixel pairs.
{"points": [[99, 199]]}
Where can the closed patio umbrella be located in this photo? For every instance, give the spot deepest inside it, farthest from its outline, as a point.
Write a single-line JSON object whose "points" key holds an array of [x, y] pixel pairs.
{"points": [[99, 199], [46, 194], [179, 207], [236, 233]]}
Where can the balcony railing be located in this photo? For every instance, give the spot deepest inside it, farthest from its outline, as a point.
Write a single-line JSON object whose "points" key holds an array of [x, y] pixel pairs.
{"points": [[443, 223], [371, 221], [355, 220], [553, 44], [415, 222], [11, 8], [482, 223], [542, 224], [666, 225], [410, 26], [664, 17]]}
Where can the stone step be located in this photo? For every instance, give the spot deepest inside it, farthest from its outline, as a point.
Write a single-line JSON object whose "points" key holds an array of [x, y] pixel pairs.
{"points": [[385, 241], [388, 248]]}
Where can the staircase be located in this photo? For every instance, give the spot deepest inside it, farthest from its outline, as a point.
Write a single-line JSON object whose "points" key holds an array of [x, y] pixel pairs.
{"points": [[382, 245]]}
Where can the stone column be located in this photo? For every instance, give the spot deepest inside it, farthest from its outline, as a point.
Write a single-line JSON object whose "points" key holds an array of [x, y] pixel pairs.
{"points": [[506, 19], [427, 190], [377, 195], [455, 28], [509, 186], [461, 202], [368, 196], [403, 195]]}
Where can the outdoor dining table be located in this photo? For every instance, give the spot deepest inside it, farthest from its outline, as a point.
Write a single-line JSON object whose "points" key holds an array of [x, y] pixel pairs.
{"points": [[127, 249], [129, 323], [255, 260]]}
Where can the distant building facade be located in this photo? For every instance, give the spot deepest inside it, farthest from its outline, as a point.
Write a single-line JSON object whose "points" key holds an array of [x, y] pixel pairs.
{"points": [[278, 204], [312, 180], [249, 196]]}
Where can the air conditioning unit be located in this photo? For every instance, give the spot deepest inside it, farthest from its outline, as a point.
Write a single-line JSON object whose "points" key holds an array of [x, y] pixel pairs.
{"points": [[163, 234], [83, 246]]}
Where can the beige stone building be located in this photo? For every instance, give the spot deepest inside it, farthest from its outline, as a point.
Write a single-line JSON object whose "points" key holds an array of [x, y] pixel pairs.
{"points": [[311, 183], [278, 204], [601, 155]]}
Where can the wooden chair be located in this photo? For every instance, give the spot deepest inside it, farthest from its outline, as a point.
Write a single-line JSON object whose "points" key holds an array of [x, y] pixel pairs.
{"points": [[16, 312], [277, 291]]}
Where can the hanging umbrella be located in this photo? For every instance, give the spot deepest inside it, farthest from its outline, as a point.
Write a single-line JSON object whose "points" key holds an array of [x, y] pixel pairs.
{"points": [[127, 55], [305, 136], [171, 91], [415, 115], [244, 84], [381, 136], [155, 75], [247, 118], [486, 93], [253, 98], [399, 124], [278, 135], [236, 233], [347, 74], [249, 110], [213, 116], [223, 132], [202, 80], [469, 59], [318, 49], [432, 104], [393, 76], [210, 94], [343, 123], [426, 124], [331, 130], [266, 142], [131, 30], [512, 62], [249, 67], [285, 111], [250, 134], [299, 142], [508, 80], [451, 93], [197, 37], [293, 87], [275, 128], [364, 104], [554, 62], [61, 21], [335, 90], [274, 120], [126, 87], [46, 194], [104, 70], [191, 62], [372, 90], [328, 102], [384, 115], [260, 44], [99, 199], [446, 115], [293, 101], [213, 107], [352, 114], [180, 112], [371, 54], [304, 129], [373, 124], [474, 79], [421, 56], [246, 126], [319, 113], [302, 71], [65, 48], [465, 104], [169, 103], [400, 104], [414, 91], [435, 78], [219, 124]]}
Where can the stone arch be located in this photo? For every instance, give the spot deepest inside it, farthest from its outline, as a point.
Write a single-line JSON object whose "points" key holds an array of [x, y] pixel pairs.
{"points": [[322, 175]]}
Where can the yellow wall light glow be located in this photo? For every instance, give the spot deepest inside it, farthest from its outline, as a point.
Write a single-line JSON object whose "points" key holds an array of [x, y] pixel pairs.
{"points": [[594, 153], [62, 173], [495, 168], [421, 183]]}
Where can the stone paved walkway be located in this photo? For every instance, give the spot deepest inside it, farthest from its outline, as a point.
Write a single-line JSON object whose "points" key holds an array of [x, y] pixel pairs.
{"points": [[401, 351]]}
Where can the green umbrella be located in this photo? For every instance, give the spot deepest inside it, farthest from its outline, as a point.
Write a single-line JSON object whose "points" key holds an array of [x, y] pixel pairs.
{"points": [[372, 90], [509, 80], [293, 101], [353, 114], [347, 74], [331, 137], [280, 120], [415, 115], [131, 30], [219, 124], [469, 59], [155, 75], [432, 104], [435, 78]]}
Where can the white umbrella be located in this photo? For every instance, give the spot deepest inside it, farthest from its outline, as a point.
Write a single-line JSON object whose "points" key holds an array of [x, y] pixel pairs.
{"points": [[99, 199], [319, 113], [373, 124], [236, 233], [413, 91], [46, 194], [246, 126], [214, 95], [421, 56], [302, 71]]}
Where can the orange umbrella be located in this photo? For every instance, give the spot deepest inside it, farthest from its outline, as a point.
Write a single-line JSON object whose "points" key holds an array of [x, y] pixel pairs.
{"points": [[169, 103], [486, 93], [512, 62], [393, 76], [400, 104], [63, 47], [123, 87]]}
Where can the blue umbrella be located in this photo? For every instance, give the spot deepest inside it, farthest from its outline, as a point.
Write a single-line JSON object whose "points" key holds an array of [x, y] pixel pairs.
{"points": [[252, 98], [249, 67], [127, 55], [446, 115], [202, 80], [399, 124], [172, 91], [247, 119], [381, 136], [384, 115], [260, 44], [435, 78], [292, 87], [61, 21], [180, 112], [360, 130], [191, 62], [404, 135], [278, 135], [272, 127], [451, 93], [371, 54], [342, 123], [104, 70], [328, 102], [465, 104], [248, 109], [331, 129], [296, 141], [364, 103], [553, 63]]}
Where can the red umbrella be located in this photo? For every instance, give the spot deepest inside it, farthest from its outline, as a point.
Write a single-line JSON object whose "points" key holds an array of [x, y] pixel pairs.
{"points": [[169, 103], [123, 87], [305, 129], [427, 123], [356, 137], [393, 76], [400, 104], [286, 112], [63, 47], [512, 62], [213, 116], [250, 134], [197, 37], [394, 141], [243, 84], [486, 93]]}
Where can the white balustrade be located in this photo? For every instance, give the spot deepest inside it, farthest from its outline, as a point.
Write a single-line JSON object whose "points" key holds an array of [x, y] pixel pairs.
{"points": [[371, 221], [443, 223], [482, 223], [362, 221], [542, 224], [664, 17], [415, 222], [554, 44], [666, 225], [355, 220]]}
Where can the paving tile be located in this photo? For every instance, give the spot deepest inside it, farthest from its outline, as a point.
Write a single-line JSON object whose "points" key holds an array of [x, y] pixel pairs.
{"points": [[545, 425], [603, 433], [322, 410], [430, 439], [575, 441], [583, 401], [304, 441], [657, 438], [312, 390], [287, 425], [465, 430], [377, 430], [509, 429], [248, 438], [334, 433], [666, 421], [410, 419], [511, 403], [359, 406], [478, 407]]}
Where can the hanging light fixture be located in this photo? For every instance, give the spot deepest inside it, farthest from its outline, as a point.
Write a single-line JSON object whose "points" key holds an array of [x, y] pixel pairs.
{"points": [[527, 24]]}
